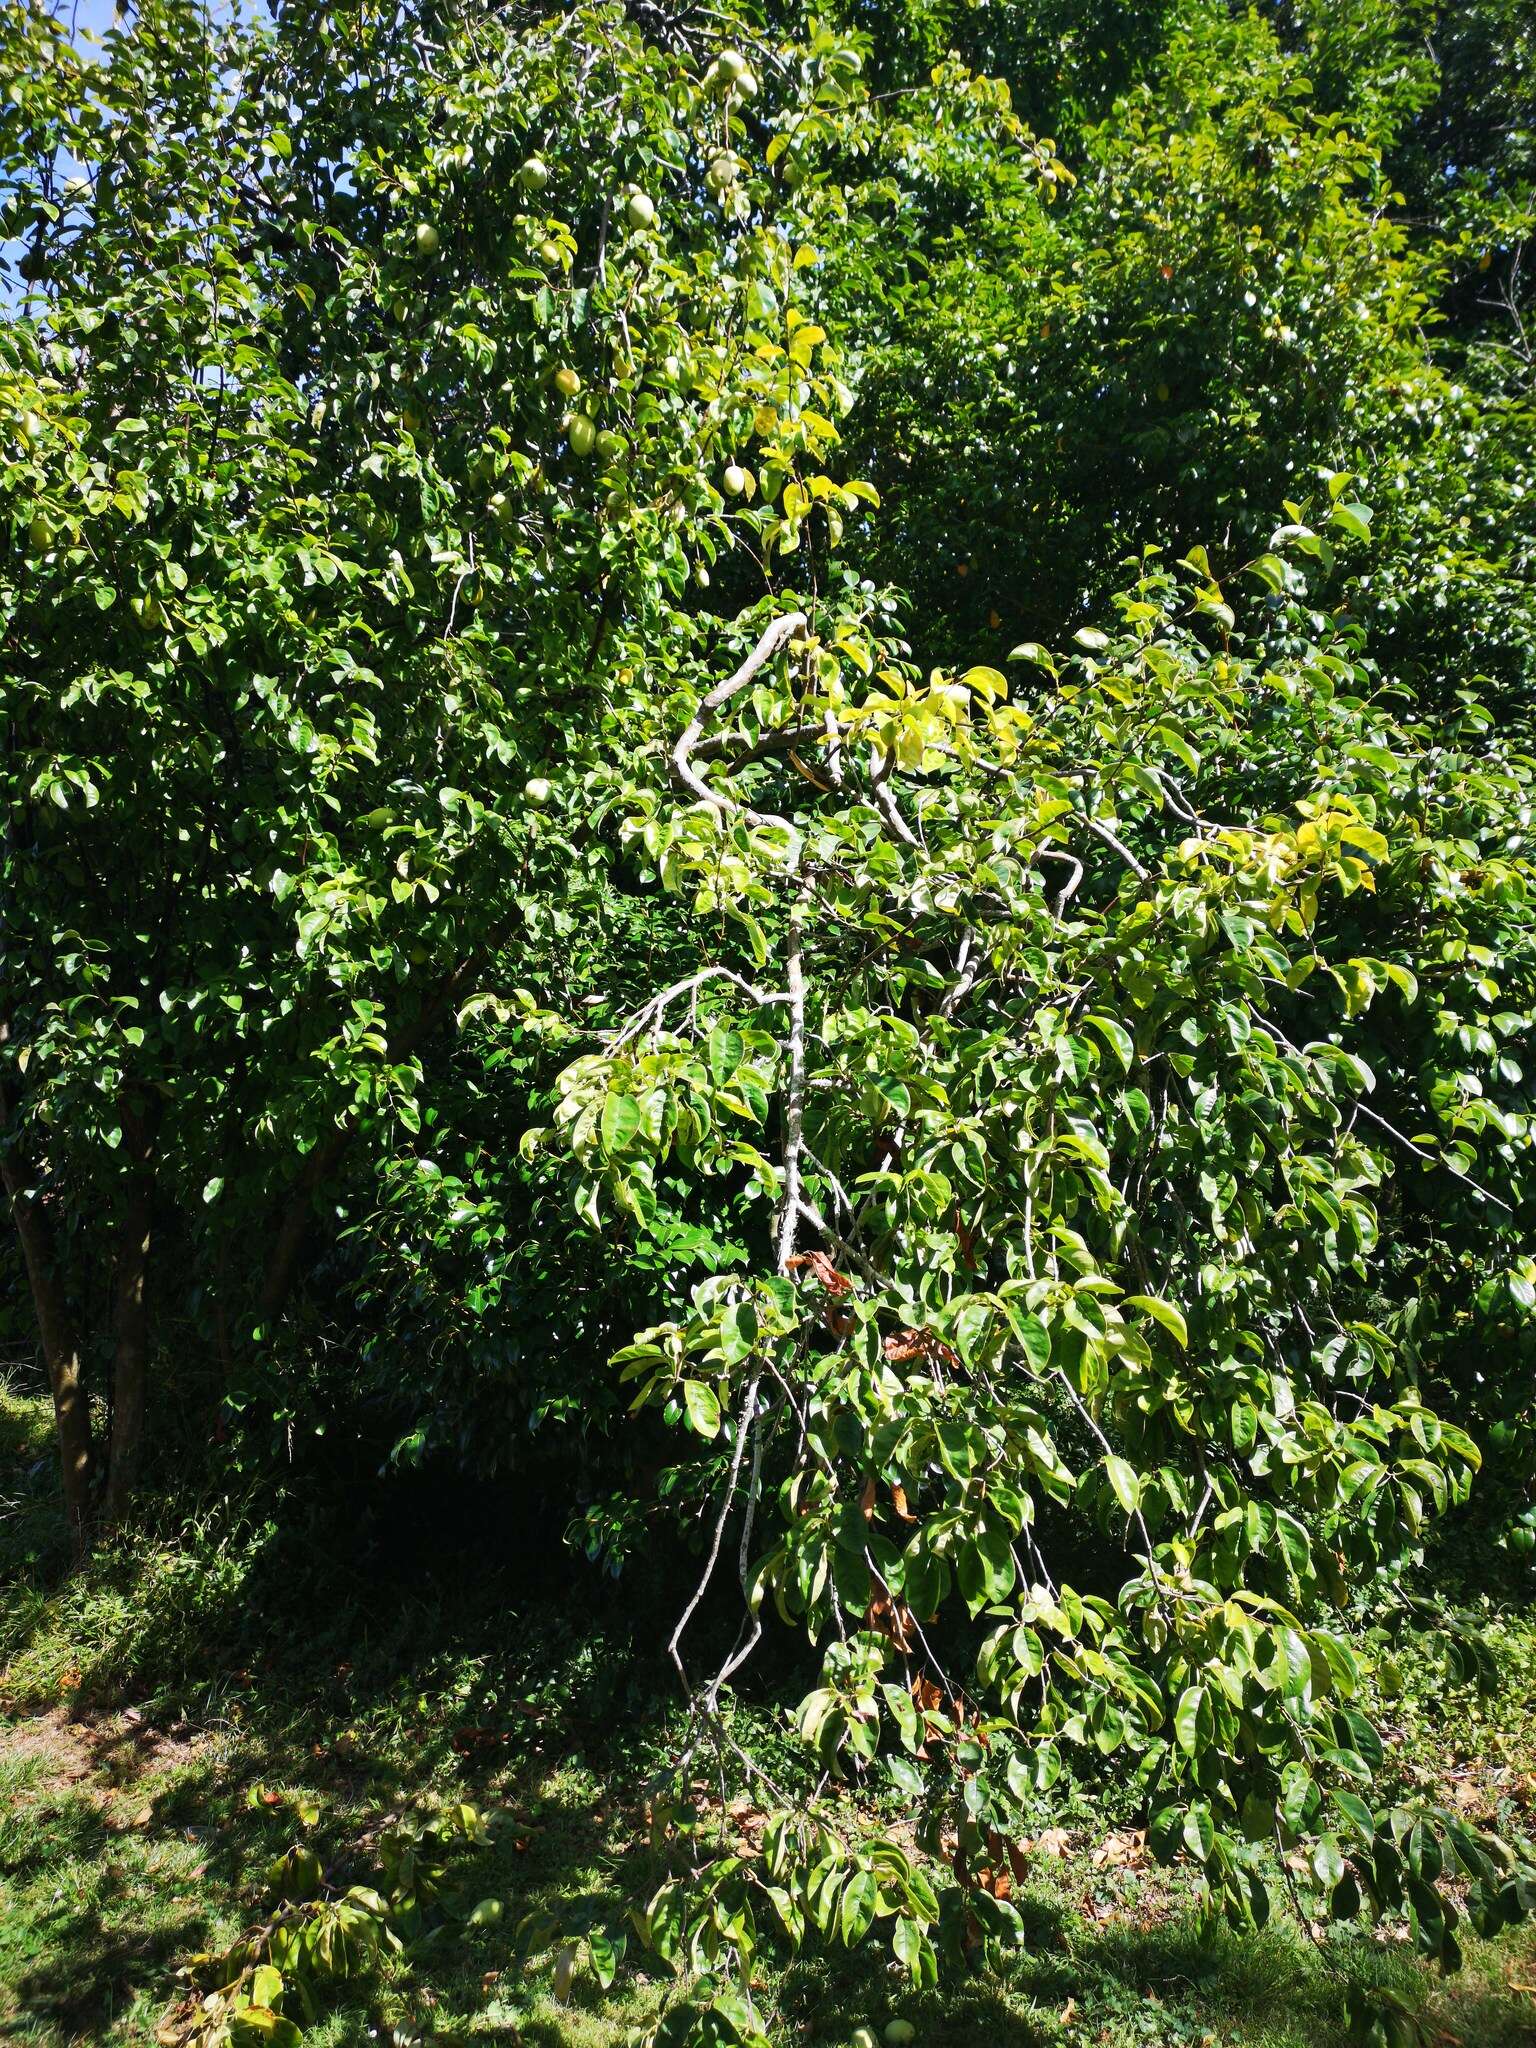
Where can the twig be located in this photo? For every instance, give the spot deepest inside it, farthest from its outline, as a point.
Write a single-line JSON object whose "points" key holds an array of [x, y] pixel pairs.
{"points": [[653, 1011], [748, 1407], [794, 1098], [1101, 831], [773, 637]]}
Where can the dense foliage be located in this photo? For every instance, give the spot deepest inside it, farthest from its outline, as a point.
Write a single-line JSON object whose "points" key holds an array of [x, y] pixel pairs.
{"points": [[779, 765]]}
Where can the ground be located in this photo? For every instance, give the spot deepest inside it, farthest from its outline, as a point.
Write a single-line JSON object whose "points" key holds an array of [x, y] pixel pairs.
{"points": [[148, 1777]]}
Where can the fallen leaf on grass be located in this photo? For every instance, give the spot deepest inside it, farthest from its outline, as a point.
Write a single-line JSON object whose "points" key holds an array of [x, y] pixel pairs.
{"points": [[1120, 1851]]}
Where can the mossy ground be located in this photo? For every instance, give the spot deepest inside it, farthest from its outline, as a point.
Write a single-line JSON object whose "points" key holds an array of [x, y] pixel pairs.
{"points": [[149, 1703]]}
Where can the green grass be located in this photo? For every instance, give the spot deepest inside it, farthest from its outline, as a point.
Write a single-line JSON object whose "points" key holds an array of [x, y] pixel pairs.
{"points": [[148, 1700]]}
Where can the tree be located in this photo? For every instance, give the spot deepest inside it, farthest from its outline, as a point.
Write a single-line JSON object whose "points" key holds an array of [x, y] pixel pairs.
{"points": [[350, 499], [1105, 1026], [489, 886]]}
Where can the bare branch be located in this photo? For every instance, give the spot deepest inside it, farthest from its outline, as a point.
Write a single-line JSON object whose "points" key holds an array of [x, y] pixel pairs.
{"points": [[653, 1011], [748, 1409], [773, 637], [1101, 831], [794, 1098]]}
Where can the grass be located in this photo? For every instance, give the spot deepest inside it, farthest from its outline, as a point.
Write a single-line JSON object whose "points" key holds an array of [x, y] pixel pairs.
{"points": [[160, 1712]]}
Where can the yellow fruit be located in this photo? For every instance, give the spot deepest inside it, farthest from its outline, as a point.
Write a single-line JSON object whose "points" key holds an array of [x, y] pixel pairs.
{"points": [[551, 255], [732, 65], [566, 381], [735, 480]]}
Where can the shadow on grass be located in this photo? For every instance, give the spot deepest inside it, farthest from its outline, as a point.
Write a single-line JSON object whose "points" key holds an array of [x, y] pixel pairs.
{"points": [[374, 1678]]}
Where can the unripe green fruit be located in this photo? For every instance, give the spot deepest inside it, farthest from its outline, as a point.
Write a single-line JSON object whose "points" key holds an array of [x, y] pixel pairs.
{"points": [[551, 255], [735, 480], [39, 534], [428, 240], [610, 446], [701, 576], [722, 172], [746, 85], [617, 501], [640, 210], [899, 2034], [581, 434], [537, 793], [864, 2037], [500, 508], [566, 381], [792, 172], [533, 176], [732, 65]]}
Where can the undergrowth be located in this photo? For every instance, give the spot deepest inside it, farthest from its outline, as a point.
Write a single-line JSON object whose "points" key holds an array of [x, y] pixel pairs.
{"points": [[169, 1709]]}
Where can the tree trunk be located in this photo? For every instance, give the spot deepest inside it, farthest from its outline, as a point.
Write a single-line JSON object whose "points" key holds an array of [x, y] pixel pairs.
{"points": [[61, 1349], [130, 1314], [293, 1225]]}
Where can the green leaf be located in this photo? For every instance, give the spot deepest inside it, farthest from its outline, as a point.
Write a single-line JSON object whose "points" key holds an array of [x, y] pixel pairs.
{"points": [[1194, 1720], [701, 1408], [1163, 1312], [1034, 1338], [726, 1051], [861, 1899], [1117, 1038], [1124, 1481], [621, 1123]]}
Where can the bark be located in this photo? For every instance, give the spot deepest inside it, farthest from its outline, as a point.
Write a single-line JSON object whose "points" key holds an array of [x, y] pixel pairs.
{"points": [[130, 1314], [293, 1225], [61, 1348], [294, 1221]]}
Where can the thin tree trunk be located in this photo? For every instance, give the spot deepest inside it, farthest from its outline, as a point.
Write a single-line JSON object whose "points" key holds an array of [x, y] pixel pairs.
{"points": [[293, 1223], [293, 1226], [130, 1315], [61, 1349]]}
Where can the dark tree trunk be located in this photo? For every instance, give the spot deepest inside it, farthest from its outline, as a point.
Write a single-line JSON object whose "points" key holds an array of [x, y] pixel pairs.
{"points": [[293, 1222], [130, 1313], [293, 1225], [61, 1348]]}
